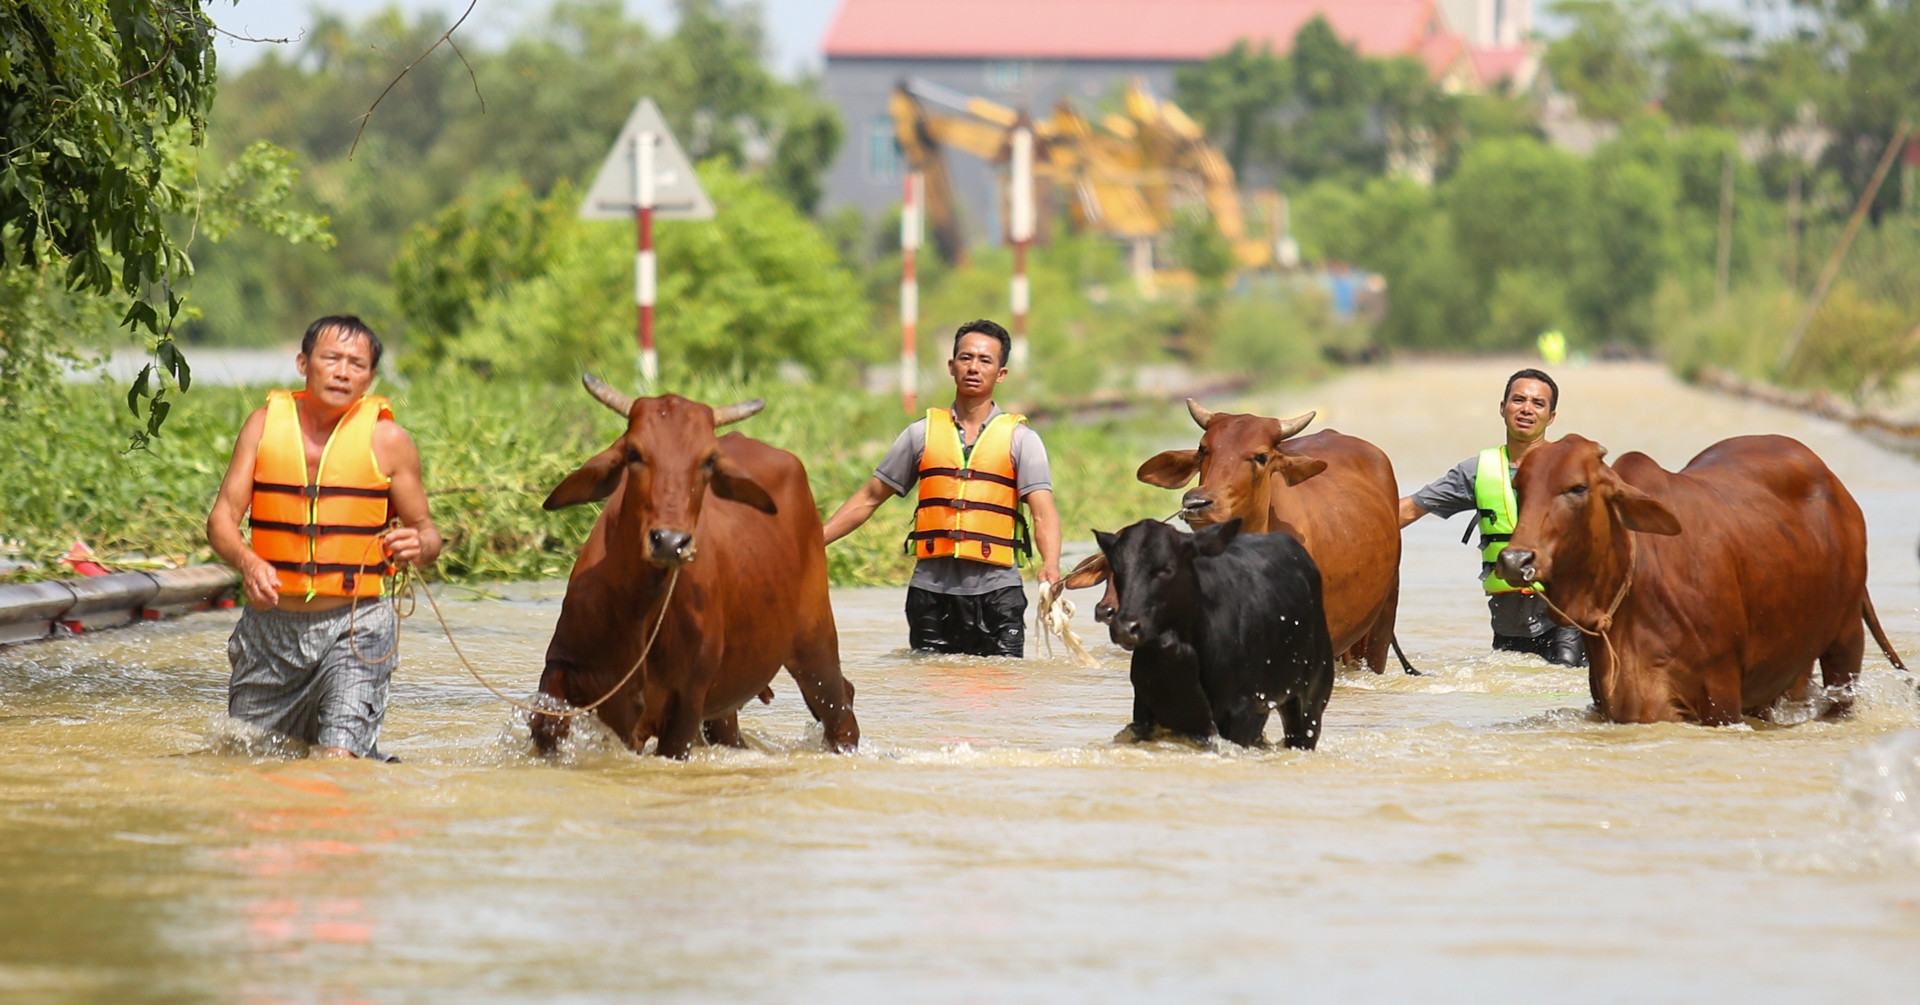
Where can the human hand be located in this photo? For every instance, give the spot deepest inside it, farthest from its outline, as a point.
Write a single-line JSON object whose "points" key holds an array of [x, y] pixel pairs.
{"points": [[261, 582], [403, 545]]}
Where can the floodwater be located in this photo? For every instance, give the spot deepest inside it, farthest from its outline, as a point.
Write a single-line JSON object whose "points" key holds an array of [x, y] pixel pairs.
{"points": [[1469, 835]]}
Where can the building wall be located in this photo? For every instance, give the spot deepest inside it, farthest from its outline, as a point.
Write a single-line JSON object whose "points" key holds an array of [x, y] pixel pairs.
{"points": [[866, 173], [1490, 23]]}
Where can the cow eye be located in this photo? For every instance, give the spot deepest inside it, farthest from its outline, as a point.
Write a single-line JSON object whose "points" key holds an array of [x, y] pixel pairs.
{"points": [[710, 462], [1577, 491], [1259, 458], [633, 456]]}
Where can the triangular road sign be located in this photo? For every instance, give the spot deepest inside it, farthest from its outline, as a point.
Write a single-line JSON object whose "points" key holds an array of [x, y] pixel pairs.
{"points": [[677, 191]]}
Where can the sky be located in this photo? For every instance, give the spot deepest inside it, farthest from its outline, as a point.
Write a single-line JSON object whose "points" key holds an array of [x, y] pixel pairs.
{"points": [[795, 28]]}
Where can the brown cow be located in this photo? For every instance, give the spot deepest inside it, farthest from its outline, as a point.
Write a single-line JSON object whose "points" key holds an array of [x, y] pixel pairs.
{"points": [[735, 517], [1335, 493], [1715, 588]]}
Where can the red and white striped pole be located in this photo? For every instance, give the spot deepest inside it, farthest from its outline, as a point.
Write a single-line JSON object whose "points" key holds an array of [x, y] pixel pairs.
{"points": [[1021, 232], [910, 198], [643, 266]]}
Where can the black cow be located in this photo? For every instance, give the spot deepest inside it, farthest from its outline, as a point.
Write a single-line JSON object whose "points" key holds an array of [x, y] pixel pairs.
{"points": [[1224, 627]]}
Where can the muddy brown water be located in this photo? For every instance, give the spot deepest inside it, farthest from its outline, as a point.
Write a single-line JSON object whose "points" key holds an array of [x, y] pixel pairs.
{"points": [[1469, 835]]}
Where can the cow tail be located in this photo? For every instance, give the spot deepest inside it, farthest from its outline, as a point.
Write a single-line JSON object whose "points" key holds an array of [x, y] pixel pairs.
{"points": [[1408, 667], [1879, 635]]}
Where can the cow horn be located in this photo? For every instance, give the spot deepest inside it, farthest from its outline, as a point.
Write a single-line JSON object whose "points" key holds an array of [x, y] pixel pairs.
{"points": [[1288, 427], [1201, 414], [739, 410], [607, 395]]}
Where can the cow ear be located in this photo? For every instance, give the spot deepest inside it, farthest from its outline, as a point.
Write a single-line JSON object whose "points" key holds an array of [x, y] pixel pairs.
{"points": [[1642, 512], [1211, 541], [592, 482], [1299, 469], [731, 481], [1170, 469], [1106, 542], [1090, 572]]}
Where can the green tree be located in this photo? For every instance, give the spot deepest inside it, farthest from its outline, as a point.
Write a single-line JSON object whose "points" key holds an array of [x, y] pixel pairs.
{"points": [[1877, 43], [106, 105], [740, 293], [1516, 204], [1236, 97], [1602, 59]]}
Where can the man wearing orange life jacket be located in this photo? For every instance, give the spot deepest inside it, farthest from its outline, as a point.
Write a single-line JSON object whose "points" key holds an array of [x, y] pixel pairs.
{"points": [[975, 465], [330, 486]]}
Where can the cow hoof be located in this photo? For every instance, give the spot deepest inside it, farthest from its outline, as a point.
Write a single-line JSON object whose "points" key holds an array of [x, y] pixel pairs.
{"points": [[1129, 734]]}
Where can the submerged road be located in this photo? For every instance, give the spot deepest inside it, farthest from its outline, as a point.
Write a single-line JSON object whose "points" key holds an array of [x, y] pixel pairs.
{"points": [[1470, 835]]}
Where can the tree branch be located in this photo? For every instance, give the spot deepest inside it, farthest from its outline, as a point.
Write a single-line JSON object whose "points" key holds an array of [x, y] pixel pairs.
{"points": [[445, 37]]}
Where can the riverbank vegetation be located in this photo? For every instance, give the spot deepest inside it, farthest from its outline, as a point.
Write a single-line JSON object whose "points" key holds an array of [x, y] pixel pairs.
{"points": [[491, 450]]}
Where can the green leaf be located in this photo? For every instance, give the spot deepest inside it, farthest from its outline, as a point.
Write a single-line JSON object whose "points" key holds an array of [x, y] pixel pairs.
{"points": [[138, 390]]}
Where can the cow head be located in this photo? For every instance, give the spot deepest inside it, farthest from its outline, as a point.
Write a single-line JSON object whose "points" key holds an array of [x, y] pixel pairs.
{"points": [[1238, 461], [1570, 503], [1151, 570], [669, 457]]}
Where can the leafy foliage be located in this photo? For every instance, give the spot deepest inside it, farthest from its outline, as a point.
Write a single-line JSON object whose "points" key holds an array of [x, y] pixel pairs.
{"points": [[556, 95], [1322, 110], [106, 108], [546, 295]]}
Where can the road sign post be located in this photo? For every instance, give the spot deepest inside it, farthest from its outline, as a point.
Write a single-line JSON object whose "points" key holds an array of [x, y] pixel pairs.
{"points": [[646, 177], [911, 197], [1021, 212]]}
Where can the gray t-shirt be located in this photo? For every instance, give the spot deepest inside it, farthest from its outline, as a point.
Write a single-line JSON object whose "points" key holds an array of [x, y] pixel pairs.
{"points": [[900, 469], [1514, 614]]}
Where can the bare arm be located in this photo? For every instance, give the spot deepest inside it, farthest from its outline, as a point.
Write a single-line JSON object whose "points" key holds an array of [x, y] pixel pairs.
{"points": [[857, 509], [1410, 510], [1046, 533], [416, 542], [257, 576]]}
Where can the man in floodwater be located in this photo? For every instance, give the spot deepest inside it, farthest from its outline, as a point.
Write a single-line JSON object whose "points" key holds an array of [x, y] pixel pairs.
{"points": [[331, 489], [975, 465], [1484, 484]]}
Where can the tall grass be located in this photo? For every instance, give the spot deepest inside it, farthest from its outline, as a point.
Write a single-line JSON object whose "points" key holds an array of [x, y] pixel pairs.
{"points": [[490, 452]]}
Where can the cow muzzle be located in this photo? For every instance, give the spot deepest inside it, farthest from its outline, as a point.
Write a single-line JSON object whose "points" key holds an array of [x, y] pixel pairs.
{"points": [[666, 547], [1195, 505], [1518, 566], [1125, 633]]}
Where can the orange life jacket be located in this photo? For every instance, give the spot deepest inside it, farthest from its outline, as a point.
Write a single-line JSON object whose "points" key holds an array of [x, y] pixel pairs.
{"points": [[324, 536], [969, 503]]}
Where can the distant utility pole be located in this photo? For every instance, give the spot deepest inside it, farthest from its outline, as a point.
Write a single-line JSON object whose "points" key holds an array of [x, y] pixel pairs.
{"points": [[913, 193]]}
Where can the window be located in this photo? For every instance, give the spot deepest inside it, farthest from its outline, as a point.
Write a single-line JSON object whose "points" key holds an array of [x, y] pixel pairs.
{"points": [[1006, 74], [883, 154]]}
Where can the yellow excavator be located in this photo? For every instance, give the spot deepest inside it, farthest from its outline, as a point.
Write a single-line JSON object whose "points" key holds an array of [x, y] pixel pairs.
{"points": [[1128, 176]]}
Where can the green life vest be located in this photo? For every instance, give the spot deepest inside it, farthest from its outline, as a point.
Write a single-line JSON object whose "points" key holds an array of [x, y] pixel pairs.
{"points": [[1493, 495]]}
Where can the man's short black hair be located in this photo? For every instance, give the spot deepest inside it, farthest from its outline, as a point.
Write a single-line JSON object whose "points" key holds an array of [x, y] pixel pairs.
{"points": [[1540, 375], [985, 327], [348, 325]]}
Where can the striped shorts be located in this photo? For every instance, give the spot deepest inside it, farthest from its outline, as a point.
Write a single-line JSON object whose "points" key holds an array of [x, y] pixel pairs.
{"points": [[297, 673]]}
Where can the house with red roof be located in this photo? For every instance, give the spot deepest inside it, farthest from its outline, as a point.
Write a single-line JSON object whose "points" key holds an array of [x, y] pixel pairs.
{"points": [[1031, 53]]}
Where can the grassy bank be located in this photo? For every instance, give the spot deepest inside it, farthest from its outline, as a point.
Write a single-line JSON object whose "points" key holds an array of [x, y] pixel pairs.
{"points": [[491, 452]]}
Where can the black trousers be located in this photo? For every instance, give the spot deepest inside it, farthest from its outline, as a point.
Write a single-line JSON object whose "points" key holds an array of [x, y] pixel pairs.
{"points": [[986, 624], [1560, 644]]}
